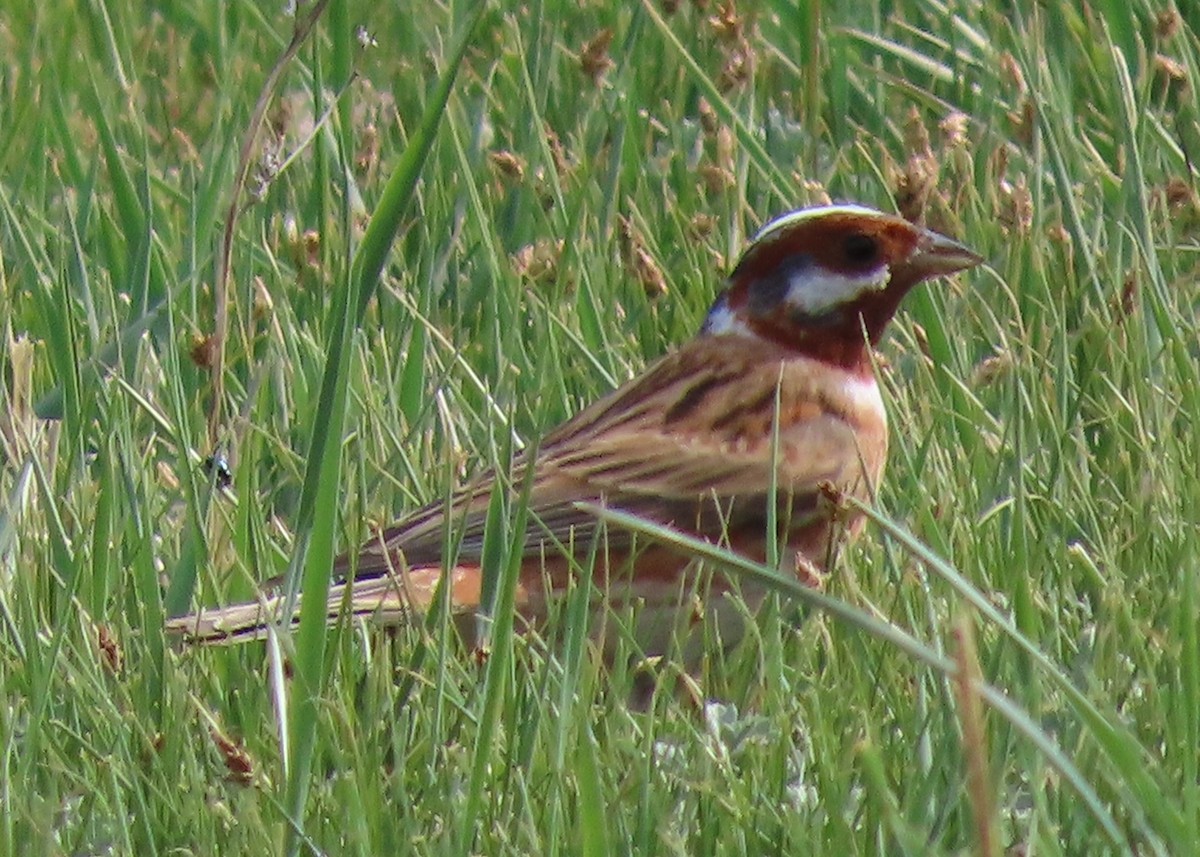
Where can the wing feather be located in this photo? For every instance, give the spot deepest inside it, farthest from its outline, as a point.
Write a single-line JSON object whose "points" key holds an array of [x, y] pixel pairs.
{"points": [[676, 445]]}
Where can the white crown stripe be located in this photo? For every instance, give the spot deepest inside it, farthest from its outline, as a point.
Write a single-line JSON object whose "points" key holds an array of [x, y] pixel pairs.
{"points": [[792, 217]]}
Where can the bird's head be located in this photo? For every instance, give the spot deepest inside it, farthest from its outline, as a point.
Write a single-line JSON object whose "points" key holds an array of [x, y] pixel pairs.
{"points": [[825, 281]]}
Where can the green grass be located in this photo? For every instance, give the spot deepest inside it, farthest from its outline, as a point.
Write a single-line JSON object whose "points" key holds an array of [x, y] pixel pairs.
{"points": [[1042, 488]]}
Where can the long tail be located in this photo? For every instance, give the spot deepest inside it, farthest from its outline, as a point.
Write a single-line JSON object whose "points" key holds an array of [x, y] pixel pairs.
{"points": [[391, 599]]}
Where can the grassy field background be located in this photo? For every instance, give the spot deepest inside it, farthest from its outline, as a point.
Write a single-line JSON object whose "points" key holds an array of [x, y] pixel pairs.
{"points": [[594, 174]]}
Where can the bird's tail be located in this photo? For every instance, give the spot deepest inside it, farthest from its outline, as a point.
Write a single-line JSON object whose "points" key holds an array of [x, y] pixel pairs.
{"points": [[390, 599]]}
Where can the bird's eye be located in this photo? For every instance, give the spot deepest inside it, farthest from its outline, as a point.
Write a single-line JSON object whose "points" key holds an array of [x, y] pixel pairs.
{"points": [[860, 249]]}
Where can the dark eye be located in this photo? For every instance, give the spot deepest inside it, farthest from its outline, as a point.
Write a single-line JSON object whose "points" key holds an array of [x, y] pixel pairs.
{"points": [[860, 249]]}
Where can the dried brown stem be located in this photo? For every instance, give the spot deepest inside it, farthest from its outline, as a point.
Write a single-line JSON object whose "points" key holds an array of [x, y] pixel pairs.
{"points": [[303, 27], [967, 680]]}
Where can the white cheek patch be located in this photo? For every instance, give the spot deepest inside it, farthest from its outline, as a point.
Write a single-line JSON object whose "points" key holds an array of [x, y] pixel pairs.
{"points": [[814, 291]]}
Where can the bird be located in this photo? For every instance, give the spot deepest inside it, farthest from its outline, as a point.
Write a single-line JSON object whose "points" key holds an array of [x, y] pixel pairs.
{"points": [[773, 401]]}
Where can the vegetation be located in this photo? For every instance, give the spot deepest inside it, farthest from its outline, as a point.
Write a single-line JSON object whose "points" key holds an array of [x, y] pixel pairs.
{"points": [[1007, 659]]}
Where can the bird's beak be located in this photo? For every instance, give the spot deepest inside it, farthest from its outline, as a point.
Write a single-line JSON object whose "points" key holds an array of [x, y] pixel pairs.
{"points": [[936, 256]]}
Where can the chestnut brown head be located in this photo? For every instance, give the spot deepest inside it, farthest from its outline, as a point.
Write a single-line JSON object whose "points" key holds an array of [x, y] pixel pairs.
{"points": [[825, 281]]}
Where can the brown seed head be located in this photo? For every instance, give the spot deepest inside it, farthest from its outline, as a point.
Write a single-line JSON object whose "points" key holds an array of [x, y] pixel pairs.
{"points": [[204, 350], [593, 56], [508, 164], [1167, 24], [237, 760], [726, 24]]}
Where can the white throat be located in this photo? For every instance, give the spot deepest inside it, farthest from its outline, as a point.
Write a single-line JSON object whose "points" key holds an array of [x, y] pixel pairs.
{"points": [[863, 394]]}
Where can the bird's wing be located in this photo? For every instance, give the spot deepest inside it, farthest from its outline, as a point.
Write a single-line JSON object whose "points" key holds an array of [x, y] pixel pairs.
{"points": [[688, 443], [676, 445]]}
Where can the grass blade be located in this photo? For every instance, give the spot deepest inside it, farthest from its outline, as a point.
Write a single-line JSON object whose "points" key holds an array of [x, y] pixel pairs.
{"points": [[886, 632], [320, 495]]}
